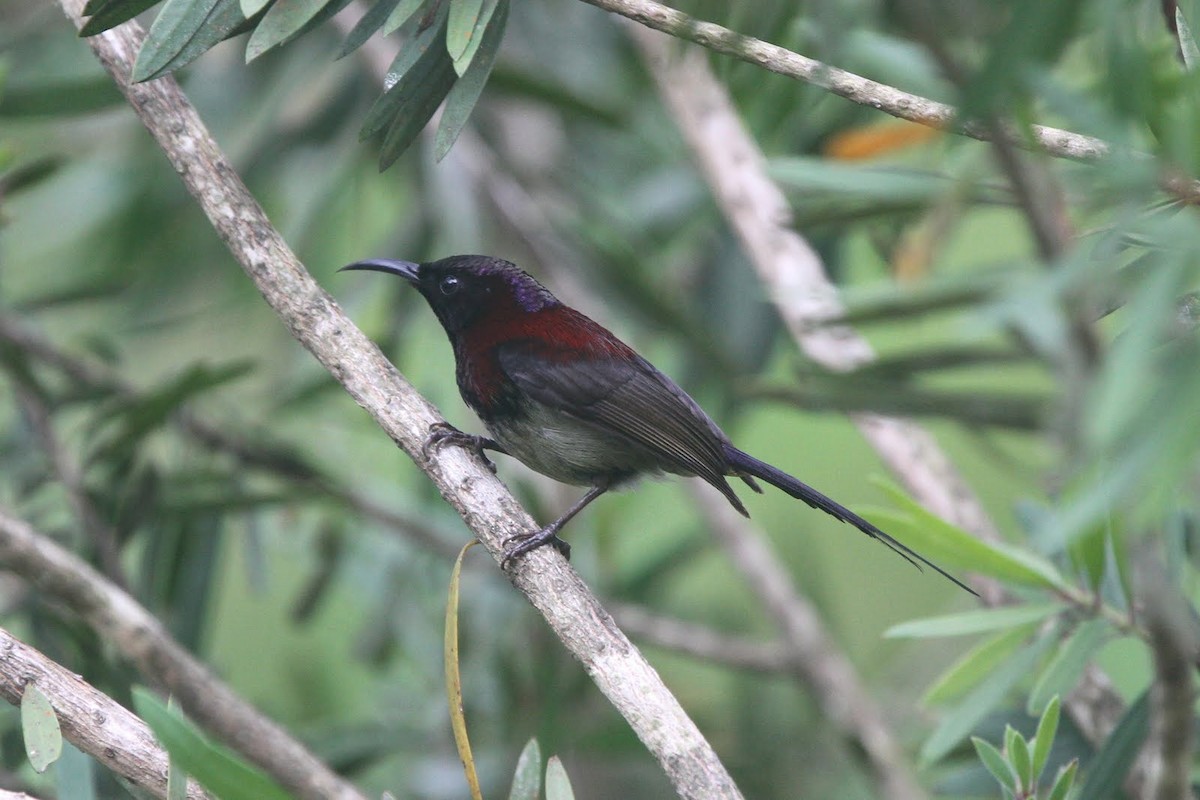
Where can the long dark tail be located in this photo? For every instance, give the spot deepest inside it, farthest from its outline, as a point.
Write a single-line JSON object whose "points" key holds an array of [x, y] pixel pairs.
{"points": [[746, 463]]}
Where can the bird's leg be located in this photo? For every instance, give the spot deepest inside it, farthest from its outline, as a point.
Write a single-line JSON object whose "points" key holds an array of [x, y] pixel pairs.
{"points": [[522, 543], [442, 433]]}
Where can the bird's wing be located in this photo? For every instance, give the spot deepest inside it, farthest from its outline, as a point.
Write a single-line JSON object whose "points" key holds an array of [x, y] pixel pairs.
{"points": [[626, 395]]}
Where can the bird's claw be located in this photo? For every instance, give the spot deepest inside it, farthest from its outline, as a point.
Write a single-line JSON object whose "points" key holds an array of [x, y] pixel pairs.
{"points": [[443, 433], [522, 543]]}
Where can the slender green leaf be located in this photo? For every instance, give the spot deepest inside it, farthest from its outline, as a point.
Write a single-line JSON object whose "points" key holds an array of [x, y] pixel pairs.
{"points": [[183, 31], [463, 60], [1018, 754], [467, 90], [1064, 781], [367, 25], [252, 7], [458, 721], [558, 785], [282, 22], [940, 541], [412, 65], [1106, 771], [464, 14], [1063, 671], [28, 173], [65, 97], [82, 292], [1043, 739], [549, 89], [527, 777], [111, 13], [1001, 770], [175, 28], [967, 622], [423, 100], [177, 781], [821, 177], [215, 767], [405, 12], [74, 776], [39, 725], [1187, 42], [975, 665], [148, 412], [972, 709]]}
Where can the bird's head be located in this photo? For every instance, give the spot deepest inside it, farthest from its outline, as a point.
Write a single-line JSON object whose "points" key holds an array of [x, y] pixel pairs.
{"points": [[463, 290]]}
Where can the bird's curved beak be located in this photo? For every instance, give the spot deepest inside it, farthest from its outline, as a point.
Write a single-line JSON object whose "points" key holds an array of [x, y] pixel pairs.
{"points": [[405, 269]]}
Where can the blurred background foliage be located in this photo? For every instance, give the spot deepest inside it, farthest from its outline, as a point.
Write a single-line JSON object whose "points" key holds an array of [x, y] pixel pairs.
{"points": [[247, 501]]}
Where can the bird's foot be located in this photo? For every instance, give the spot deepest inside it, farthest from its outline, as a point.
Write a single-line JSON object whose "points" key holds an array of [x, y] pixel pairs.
{"points": [[443, 433], [522, 543]]}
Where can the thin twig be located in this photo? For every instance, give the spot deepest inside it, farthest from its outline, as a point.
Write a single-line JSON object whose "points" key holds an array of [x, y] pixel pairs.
{"points": [[866, 92], [316, 321], [90, 720], [140, 637]]}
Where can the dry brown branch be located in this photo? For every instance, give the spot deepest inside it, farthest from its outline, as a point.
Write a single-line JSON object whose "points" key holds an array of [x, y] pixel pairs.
{"points": [[140, 637], [90, 719], [316, 321]]}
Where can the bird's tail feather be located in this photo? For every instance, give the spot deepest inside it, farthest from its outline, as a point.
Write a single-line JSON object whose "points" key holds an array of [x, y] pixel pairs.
{"points": [[742, 462]]}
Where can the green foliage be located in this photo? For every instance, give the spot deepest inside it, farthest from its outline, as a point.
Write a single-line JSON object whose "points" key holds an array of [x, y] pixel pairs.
{"points": [[942, 541], [1062, 385], [450, 50], [1113, 760], [558, 785], [1020, 766], [527, 777], [480, 57], [75, 775], [216, 768], [182, 32], [39, 724]]}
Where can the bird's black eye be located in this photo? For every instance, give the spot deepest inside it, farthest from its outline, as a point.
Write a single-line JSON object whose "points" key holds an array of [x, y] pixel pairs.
{"points": [[449, 285]]}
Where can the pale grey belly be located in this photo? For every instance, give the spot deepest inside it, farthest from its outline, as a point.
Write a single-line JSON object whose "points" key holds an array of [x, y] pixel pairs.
{"points": [[572, 451]]}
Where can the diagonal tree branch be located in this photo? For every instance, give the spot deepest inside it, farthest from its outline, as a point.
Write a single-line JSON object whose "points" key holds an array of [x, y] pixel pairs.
{"points": [[90, 719], [316, 321]]}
